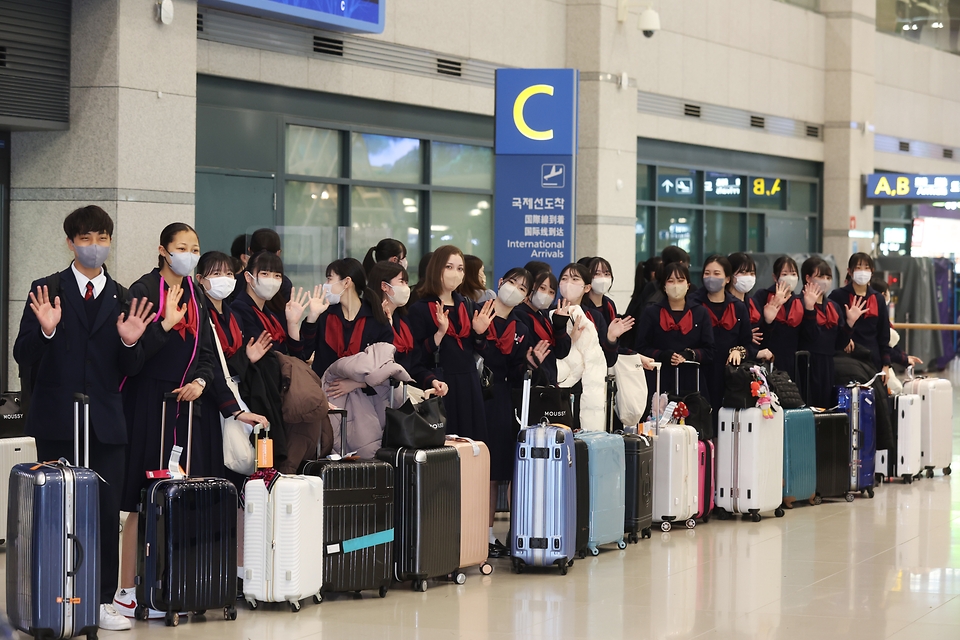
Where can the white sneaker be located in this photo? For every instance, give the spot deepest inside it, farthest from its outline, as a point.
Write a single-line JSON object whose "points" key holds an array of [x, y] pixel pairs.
{"points": [[125, 603], [111, 620]]}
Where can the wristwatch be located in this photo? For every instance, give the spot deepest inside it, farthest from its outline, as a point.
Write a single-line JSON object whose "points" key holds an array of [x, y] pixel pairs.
{"points": [[201, 382]]}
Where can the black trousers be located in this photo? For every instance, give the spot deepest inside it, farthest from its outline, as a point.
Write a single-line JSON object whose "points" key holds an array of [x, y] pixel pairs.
{"points": [[108, 460]]}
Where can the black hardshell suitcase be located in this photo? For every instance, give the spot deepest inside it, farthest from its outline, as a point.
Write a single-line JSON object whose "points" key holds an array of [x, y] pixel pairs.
{"points": [[53, 544], [357, 507], [426, 513], [187, 532], [833, 456], [638, 481], [583, 498]]}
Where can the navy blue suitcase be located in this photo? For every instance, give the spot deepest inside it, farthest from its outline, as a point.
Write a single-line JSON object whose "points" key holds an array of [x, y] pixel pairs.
{"points": [[53, 544], [187, 533]]}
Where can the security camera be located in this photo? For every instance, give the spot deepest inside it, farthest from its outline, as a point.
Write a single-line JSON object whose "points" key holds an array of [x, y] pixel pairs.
{"points": [[649, 22]]}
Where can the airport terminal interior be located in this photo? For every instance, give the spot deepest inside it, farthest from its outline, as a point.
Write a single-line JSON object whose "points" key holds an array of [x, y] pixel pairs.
{"points": [[525, 130]]}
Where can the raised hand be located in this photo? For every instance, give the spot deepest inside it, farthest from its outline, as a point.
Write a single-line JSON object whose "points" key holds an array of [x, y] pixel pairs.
{"points": [[618, 327], [258, 347], [536, 354], [854, 312], [298, 302], [563, 307], [317, 303], [48, 313], [483, 317], [443, 323], [783, 294], [811, 293], [133, 326], [173, 311], [576, 330]]}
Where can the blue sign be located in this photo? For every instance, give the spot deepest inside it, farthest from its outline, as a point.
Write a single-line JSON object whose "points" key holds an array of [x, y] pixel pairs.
{"points": [[899, 186], [536, 146], [340, 15]]}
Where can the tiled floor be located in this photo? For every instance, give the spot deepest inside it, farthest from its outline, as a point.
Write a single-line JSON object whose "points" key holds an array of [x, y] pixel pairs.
{"points": [[882, 568]]}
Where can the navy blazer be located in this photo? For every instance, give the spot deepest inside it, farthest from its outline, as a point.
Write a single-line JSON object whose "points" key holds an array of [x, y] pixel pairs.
{"points": [[79, 358]]}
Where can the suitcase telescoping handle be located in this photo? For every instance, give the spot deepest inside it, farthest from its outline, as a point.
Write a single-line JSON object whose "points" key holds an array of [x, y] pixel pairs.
{"points": [[525, 403], [676, 371], [343, 425], [168, 398], [78, 400]]}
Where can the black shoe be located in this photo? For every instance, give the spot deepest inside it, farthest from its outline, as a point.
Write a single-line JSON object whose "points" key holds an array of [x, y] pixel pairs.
{"points": [[498, 550], [239, 588]]}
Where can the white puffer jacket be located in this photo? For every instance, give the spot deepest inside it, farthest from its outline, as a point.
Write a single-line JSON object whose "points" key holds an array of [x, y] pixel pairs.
{"points": [[585, 363]]}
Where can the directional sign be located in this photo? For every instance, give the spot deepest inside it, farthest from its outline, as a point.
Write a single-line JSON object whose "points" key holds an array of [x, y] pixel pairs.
{"points": [[553, 176], [898, 186]]}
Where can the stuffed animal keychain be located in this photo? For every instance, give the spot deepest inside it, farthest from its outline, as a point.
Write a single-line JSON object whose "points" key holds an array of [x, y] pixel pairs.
{"points": [[680, 413], [761, 391]]}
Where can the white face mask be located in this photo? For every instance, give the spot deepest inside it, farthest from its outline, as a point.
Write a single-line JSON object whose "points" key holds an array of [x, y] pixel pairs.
{"points": [[571, 290], [791, 281], [862, 276], [266, 288], [542, 300], [676, 290], [601, 284], [510, 295], [183, 263], [401, 294], [333, 298], [221, 287], [825, 284], [744, 283]]}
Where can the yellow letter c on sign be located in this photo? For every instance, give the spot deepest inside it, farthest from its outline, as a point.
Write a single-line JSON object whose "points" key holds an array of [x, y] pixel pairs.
{"points": [[518, 120]]}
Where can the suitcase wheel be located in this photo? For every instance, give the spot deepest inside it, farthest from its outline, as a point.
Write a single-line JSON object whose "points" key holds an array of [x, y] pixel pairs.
{"points": [[518, 564], [230, 613], [691, 523], [420, 585], [562, 563], [908, 479], [817, 499], [870, 492], [848, 497], [646, 533], [459, 577], [172, 619], [486, 569], [665, 527], [383, 591], [295, 606], [317, 598], [878, 478], [930, 472], [946, 471], [140, 613], [91, 635], [779, 512], [594, 551], [622, 545], [253, 604]]}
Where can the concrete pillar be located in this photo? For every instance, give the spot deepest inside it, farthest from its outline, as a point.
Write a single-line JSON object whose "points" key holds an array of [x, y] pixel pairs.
{"points": [[848, 138], [130, 148], [607, 161]]}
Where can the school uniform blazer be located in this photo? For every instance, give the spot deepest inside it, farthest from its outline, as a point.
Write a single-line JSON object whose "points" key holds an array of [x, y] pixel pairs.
{"points": [[79, 358]]}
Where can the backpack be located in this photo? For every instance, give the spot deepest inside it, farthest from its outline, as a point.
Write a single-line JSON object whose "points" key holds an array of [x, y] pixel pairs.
{"points": [[786, 389], [28, 372]]}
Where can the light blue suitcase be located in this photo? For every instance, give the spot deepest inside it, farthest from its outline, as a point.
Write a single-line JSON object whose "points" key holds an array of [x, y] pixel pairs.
{"points": [[607, 468], [799, 456]]}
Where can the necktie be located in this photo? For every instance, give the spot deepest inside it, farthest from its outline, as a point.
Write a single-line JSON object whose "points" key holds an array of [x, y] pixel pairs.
{"points": [[89, 294]]}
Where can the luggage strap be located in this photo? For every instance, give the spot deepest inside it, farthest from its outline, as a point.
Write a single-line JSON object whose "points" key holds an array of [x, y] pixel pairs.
{"points": [[363, 542]]}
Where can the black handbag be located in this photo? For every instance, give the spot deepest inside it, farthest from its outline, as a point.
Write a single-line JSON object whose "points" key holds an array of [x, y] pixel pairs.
{"points": [[416, 426], [13, 420], [737, 392], [788, 393], [550, 404]]}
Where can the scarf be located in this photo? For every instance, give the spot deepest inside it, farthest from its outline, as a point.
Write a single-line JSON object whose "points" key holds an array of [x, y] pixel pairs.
{"points": [[667, 322], [334, 336], [506, 340], [271, 325], [464, 318], [232, 345]]}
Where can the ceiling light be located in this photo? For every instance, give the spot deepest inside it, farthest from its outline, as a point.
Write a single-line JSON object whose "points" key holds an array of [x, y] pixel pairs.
{"points": [[313, 195], [410, 209], [475, 212], [409, 202], [324, 195], [483, 204]]}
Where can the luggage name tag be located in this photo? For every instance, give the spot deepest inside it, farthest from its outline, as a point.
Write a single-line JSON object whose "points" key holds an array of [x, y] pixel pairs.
{"points": [[264, 448], [176, 471]]}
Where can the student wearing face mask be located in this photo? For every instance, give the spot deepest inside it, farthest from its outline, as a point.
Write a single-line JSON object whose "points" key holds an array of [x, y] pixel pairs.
{"points": [[388, 250], [446, 328], [834, 325], [785, 315], [179, 358], [507, 349], [349, 321], [676, 330], [741, 284], [576, 287], [535, 314], [263, 280], [732, 335], [601, 283]]}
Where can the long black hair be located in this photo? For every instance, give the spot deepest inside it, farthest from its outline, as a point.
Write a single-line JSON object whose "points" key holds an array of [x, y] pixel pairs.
{"points": [[351, 268], [384, 250]]}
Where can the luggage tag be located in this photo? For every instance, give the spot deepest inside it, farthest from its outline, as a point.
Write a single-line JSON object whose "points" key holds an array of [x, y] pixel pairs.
{"points": [[173, 471], [264, 447]]}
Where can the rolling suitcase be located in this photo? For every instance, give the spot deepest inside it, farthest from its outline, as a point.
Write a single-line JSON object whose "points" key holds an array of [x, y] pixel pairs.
{"points": [[833, 456], [857, 402], [53, 544], [904, 461], [543, 512], [675, 471], [358, 524], [427, 514], [750, 462], [799, 456], [474, 504], [606, 469], [13, 451], [281, 560], [936, 422], [638, 486], [706, 479], [583, 497], [187, 533]]}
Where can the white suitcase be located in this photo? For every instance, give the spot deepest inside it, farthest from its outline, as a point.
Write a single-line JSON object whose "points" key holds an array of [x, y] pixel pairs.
{"points": [[906, 462], [282, 555], [936, 422], [13, 451], [750, 462], [675, 476]]}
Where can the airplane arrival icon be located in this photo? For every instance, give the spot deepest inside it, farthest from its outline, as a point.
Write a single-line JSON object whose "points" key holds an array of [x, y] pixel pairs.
{"points": [[553, 176]]}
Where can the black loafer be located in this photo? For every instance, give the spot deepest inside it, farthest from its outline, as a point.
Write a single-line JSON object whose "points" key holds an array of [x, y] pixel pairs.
{"points": [[498, 550]]}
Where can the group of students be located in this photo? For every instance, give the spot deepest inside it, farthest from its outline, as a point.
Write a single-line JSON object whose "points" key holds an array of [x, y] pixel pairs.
{"points": [[127, 349]]}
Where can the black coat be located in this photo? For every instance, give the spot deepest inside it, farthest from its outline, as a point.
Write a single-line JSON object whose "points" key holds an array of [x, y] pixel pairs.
{"points": [[872, 329], [79, 358]]}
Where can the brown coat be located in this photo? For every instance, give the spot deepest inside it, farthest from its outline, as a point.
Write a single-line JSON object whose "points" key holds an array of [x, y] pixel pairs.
{"points": [[304, 414]]}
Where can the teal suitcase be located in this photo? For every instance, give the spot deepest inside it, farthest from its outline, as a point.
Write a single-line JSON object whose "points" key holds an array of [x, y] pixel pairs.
{"points": [[606, 468], [799, 456]]}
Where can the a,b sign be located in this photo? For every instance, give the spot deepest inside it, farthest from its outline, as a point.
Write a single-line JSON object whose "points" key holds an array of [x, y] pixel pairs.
{"points": [[536, 111]]}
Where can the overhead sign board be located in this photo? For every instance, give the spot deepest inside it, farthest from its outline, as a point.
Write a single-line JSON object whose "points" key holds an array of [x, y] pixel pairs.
{"points": [[907, 187], [340, 15], [536, 167]]}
